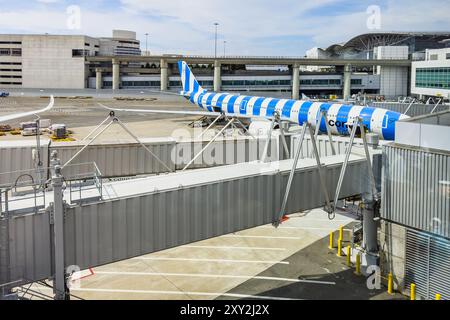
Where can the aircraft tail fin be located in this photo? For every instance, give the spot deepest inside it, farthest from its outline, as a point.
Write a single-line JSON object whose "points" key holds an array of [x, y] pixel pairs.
{"points": [[189, 82]]}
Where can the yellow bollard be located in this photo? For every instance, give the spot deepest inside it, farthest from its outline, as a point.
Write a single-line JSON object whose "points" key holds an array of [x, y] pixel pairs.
{"points": [[339, 253], [341, 233], [390, 284], [349, 262], [413, 292], [331, 246], [438, 296], [358, 264]]}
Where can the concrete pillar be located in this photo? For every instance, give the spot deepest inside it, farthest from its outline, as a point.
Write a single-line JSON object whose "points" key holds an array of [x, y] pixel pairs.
{"points": [[98, 79], [116, 74], [164, 74], [217, 76], [295, 82], [347, 82]]}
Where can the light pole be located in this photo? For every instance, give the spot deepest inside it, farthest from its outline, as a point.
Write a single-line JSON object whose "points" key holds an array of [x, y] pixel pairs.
{"points": [[215, 40], [224, 47], [146, 43]]}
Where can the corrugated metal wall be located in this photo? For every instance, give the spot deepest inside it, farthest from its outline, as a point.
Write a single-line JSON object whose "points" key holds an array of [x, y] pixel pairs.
{"points": [[130, 159], [415, 189], [119, 159], [225, 152], [323, 145], [30, 254], [110, 231], [427, 265], [417, 109], [17, 156]]}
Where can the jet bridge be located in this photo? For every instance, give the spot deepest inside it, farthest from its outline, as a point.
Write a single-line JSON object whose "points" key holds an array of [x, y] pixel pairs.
{"points": [[130, 218]]}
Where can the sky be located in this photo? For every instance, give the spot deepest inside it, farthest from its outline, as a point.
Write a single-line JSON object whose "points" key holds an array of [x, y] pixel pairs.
{"points": [[249, 27]]}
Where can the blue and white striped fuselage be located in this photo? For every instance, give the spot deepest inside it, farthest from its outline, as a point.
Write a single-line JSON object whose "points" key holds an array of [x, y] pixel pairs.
{"points": [[340, 116]]}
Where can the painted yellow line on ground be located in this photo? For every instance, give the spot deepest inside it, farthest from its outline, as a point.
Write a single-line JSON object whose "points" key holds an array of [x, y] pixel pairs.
{"points": [[211, 260], [202, 275]]}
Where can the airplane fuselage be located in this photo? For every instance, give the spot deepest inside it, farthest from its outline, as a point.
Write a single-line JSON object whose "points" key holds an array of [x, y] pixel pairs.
{"points": [[340, 116]]}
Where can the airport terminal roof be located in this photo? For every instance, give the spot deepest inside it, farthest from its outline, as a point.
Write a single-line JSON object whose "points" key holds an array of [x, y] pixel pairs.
{"points": [[367, 41]]}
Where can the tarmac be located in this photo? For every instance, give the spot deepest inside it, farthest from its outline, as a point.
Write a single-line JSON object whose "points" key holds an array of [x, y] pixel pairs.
{"points": [[291, 262]]}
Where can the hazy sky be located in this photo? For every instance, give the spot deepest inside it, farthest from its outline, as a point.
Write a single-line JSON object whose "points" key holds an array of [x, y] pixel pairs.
{"points": [[250, 27]]}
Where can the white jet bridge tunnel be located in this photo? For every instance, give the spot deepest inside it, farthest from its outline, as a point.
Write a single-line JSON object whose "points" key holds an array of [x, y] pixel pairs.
{"points": [[145, 215]]}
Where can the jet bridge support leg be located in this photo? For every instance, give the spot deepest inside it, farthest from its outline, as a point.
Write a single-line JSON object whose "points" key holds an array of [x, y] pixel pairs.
{"points": [[209, 143], [323, 115], [113, 119], [269, 137], [370, 203], [283, 140], [57, 217], [305, 127]]}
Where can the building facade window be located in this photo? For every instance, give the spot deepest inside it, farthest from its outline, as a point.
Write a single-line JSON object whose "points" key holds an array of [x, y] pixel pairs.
{"points": [[80, 53], [5, 52], [433, 78]]}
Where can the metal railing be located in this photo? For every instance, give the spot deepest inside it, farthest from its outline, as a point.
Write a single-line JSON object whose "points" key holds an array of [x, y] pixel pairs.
{"points": [[84, 181], [31, 185]]}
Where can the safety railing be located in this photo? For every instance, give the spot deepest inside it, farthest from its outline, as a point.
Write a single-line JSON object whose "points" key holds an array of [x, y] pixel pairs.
{"points": [[84, 181], [26, 193]]}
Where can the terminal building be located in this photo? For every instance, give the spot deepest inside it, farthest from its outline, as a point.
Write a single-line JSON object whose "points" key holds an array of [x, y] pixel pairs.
{"points": [[57, 61], [78, 62], [431, 77]]}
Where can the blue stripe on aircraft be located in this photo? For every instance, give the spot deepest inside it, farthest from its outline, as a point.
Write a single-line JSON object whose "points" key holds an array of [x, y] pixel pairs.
{"points": [[220, 100], [389, 125], [199, 100], [196, 86], [257, 106], [323, 107], [366, 115], [230, 105], [209, 100], [243, 105], [342, 119], [303, 112], [286, 110], [271, 107], [187, 81]]}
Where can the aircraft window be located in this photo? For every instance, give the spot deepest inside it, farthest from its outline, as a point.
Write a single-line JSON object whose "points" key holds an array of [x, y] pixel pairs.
{"points": [[385, 121]]}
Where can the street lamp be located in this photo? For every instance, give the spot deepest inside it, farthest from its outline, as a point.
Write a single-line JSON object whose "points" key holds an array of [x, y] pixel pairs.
{"points": [[215, 40], [146, 43], [224, 47]]}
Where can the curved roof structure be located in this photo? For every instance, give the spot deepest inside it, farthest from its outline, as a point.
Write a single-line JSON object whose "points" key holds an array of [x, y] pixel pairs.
{"points": [[417, 41]]}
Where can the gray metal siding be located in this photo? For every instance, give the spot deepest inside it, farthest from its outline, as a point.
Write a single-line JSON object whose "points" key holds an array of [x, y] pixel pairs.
{"points": [[116, 230], [415, 189], [30, 243], [323, 146], [18, 157], [427, 265], [225, 152], [105, 232], [116, 160]]}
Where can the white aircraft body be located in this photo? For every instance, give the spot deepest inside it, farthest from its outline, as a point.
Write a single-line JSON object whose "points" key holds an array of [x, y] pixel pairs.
{"points": [[340, 116]]}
